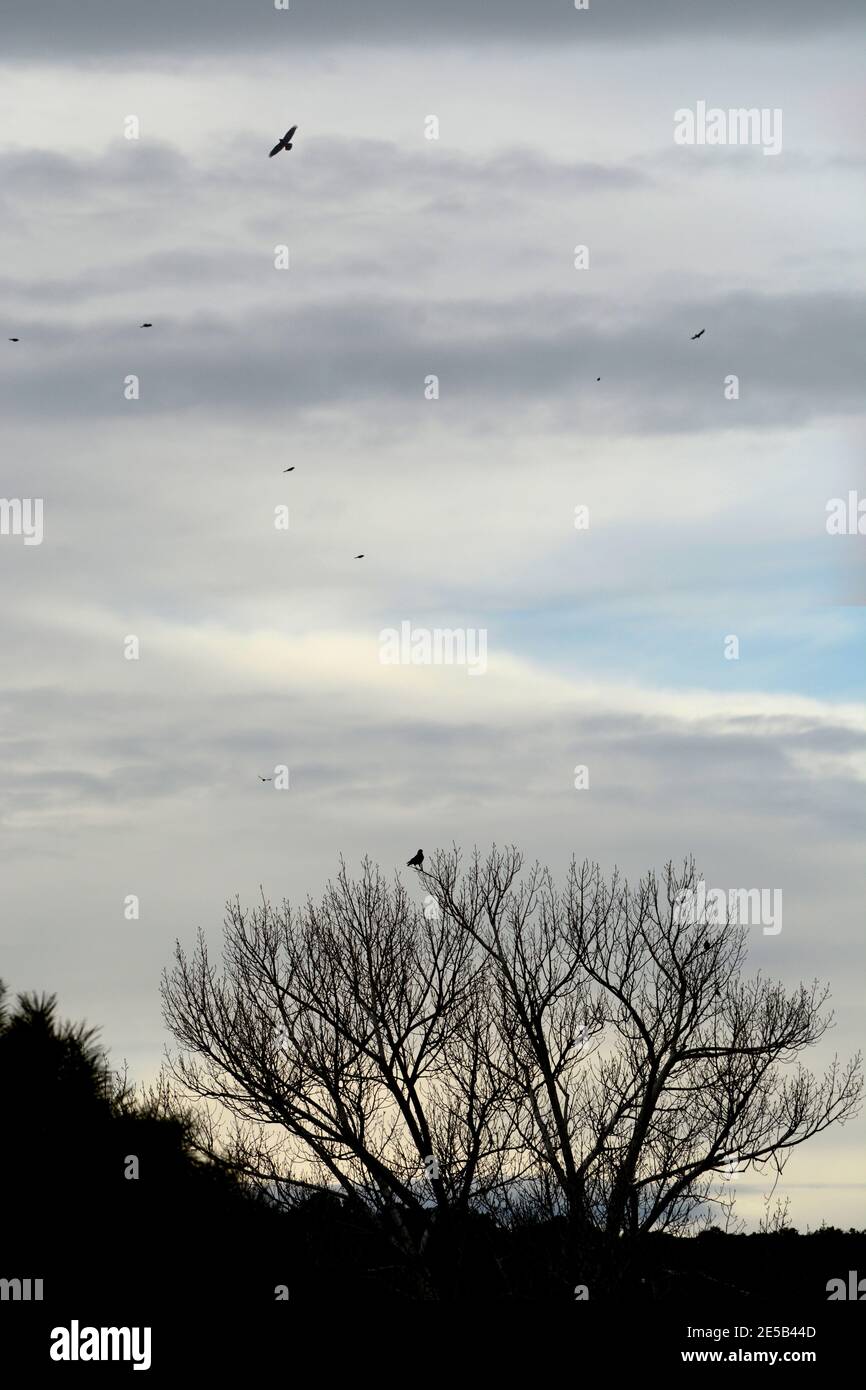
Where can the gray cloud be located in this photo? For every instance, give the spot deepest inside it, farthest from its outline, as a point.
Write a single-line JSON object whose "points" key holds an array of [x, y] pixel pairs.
{"points": [[798, 357], [335, 172], [128, 27], [222, 344]]}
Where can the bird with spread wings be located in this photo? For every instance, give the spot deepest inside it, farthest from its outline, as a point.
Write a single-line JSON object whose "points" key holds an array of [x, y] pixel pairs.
{"points": [[284, 144]]}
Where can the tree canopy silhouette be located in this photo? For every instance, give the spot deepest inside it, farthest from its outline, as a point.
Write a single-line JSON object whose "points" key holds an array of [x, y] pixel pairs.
{"points": [[507, 1048]]}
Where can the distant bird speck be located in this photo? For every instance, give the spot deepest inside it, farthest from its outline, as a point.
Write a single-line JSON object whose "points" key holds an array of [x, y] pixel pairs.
{"points": [[15, 340], [265, 779], [284, 144], [289, 470], [416, 861], [147, 325], [698, 335], [359, 557], [598, 378]]}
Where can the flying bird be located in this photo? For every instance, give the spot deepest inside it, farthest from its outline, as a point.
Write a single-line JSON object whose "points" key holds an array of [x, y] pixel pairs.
{"points": [[416, 861], [284, 144], [265, 779], [147, 325], [698, 335], [359, 557], [14, 340], [289, 470], [598, 378]]}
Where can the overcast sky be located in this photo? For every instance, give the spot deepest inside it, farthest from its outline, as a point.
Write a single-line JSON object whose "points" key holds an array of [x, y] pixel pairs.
{"points": [[411, 257]]}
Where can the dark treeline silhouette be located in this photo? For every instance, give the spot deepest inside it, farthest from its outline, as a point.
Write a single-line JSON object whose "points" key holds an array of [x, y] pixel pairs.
{"points": [[189, 1230], [509, 1090]]}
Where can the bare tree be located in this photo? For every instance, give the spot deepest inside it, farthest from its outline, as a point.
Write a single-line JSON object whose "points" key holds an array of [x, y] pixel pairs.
{"points": [[588, 1054], [696, 1070], [354, 1044]]}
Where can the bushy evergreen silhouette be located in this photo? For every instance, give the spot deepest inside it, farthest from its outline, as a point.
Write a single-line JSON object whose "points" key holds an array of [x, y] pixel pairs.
{"points": [[74, 1133]]}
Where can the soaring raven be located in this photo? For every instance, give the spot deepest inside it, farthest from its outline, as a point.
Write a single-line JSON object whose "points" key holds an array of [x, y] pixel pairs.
{"points": [[284, 144], [698, 335]]}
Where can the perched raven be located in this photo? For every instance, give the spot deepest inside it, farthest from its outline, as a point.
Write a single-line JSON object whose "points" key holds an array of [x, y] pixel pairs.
{"points": [[416, 861]]}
